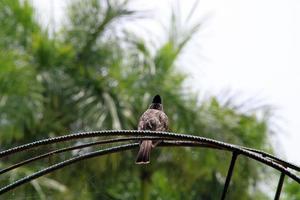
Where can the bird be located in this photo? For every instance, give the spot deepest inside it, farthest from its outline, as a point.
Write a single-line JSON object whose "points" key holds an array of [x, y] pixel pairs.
{"points": [[153, 119]]}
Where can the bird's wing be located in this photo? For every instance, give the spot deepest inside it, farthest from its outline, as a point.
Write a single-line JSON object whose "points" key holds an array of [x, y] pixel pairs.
{"points": [[145, 120], [141, 123], [164, 122], [149, 120]]}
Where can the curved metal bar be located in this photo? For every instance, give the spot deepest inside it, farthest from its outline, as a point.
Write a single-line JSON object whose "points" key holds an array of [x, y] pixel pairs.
{"points": [[65, 163], [126, 133], [67, 138], [222, 145], [104, 133], [102, 152], [188, 144], [267, 155], [48, 154]]}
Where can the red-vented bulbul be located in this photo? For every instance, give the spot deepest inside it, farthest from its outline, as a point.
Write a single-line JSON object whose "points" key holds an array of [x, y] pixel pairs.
{"points": [[153, 119]]}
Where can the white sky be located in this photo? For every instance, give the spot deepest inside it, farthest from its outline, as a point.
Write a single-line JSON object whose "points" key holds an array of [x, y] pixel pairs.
{"points": [[252, 47]]}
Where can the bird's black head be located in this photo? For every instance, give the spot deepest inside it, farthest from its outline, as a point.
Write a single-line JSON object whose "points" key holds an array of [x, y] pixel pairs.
{"points": [[156, 103], [156, 99]]}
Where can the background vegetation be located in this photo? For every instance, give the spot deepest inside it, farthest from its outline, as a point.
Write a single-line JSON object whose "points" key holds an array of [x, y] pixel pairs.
{"points": [[94, 74]]}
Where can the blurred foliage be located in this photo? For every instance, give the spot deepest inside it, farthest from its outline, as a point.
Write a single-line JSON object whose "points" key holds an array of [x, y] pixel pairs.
{"points": [[94, 74], [291, 190]]}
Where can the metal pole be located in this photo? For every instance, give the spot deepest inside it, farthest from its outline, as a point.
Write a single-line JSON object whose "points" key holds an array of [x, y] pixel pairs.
{"points": [[229, 174], [279, 186]]}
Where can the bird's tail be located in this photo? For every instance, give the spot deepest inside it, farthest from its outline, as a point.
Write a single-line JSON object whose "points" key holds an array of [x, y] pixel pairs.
{"points": [[143, 156]]}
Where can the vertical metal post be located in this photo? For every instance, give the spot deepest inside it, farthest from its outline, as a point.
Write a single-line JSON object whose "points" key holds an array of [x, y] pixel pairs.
{"points": [[279, 186], [229, 174]]}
